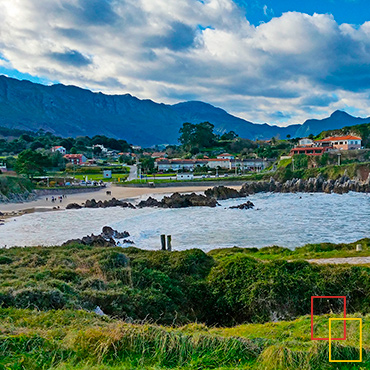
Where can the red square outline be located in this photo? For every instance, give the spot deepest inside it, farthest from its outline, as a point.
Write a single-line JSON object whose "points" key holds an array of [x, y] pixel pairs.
{"points": [[344, 316]]}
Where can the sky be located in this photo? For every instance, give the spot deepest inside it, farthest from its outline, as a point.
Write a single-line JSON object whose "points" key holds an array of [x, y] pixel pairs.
{"points": [[280, 62]]}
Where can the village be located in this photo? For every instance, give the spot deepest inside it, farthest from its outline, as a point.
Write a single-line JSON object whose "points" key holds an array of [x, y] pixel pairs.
{"points": [[95, 161]]}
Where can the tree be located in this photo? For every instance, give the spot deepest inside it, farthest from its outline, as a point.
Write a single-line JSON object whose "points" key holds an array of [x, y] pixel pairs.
{"points": [[229, 136], [288, 136], [97, 151], [197, 135], [32, 163], [147, 164]]}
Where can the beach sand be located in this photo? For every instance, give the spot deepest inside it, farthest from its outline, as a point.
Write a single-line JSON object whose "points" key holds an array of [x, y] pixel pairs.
{"points": [[118, 192]]}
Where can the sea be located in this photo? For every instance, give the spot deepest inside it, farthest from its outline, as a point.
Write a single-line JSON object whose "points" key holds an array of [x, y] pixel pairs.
{"points": [[287, 220]]}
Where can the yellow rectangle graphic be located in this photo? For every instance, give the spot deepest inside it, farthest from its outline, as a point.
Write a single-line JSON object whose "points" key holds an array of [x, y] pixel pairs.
{"points": [[347, 319]]}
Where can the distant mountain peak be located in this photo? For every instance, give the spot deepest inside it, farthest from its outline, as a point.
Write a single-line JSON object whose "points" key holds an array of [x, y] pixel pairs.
{"points": [[73, 111], [340, 113]]}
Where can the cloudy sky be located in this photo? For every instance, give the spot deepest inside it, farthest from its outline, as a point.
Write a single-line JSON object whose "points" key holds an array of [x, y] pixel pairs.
{"points": [[264, 60]]}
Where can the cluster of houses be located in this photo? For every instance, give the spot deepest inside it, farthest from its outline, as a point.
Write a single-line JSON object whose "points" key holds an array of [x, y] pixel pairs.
{"points": [[223, 161], [79, 159], [319, 147]]}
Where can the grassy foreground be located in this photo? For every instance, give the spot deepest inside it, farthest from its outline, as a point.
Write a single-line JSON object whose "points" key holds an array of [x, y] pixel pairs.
{"points": [[67, 339], [237, 308]]}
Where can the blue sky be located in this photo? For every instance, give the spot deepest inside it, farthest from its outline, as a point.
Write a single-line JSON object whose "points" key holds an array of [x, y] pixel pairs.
{"points": [[344, 11], [271, 61]]}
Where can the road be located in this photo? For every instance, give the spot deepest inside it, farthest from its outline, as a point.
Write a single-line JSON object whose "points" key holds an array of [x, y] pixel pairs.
{"points": [[133, 173]]}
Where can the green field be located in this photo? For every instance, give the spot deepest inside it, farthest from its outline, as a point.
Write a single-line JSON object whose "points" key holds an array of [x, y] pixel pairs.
{"points": [[65, 339], [99, 177]]}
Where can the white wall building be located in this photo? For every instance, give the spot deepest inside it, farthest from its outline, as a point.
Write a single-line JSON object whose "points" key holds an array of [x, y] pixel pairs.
{"points": [[225, 156], [61, 149]]}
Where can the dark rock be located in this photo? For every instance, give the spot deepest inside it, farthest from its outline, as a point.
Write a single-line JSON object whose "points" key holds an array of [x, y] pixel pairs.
{"points": [[105, 239], [73, 206], [222, 193], [92, 203], [109, 232], [150, 202], [177, 200], [247, 205]]}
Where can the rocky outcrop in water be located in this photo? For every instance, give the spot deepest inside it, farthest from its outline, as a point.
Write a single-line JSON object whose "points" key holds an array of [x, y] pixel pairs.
{"points": [[177, 200], [109, 232], [313, 185], [107, 238], [247, 205], [222, 193], [92, 203]]}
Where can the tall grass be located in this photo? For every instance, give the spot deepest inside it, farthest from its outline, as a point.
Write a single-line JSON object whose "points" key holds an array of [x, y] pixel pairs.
{"points": [[31, 340]]}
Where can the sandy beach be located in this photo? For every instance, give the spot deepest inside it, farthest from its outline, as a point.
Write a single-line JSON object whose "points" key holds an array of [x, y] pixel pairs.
{"points": [[118, 192]]}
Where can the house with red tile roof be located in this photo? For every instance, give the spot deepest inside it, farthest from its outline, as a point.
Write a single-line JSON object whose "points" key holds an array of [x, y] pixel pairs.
{"points": [[225, 156], [76, 158], [61, 149], [348, 142]]}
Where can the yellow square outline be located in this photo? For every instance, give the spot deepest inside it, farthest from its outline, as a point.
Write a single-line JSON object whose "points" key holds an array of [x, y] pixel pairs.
{"points": [[348, 319]]}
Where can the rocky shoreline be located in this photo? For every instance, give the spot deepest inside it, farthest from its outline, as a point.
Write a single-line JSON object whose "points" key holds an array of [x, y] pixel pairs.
{"points": [[212, 195], [313, 185]]}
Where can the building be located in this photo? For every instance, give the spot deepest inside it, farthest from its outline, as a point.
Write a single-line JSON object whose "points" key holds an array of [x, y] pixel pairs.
{"points": [[159, 155], [225, 156], [252, 164], [3, 168], [103, 149], [309, 150], [178, 164], [77, 159], [61, 149], [218, 163], [348, 142]]}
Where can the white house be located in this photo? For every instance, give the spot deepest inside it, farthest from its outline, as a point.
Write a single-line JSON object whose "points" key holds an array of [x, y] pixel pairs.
{"points": [[218, 163], [225, 156], [178, 164], [3, 168], [253, 164], [61, 149], [104, 150]]}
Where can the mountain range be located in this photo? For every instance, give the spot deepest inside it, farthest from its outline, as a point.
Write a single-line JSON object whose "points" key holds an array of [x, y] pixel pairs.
{"points": [[73, 111]]}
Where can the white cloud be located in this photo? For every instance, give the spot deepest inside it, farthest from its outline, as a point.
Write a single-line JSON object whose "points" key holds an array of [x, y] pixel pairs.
{"points": [[284, 70]]}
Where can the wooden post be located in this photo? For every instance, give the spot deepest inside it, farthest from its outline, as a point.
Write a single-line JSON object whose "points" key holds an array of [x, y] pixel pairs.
{"points": [[163, 242], [169, 246]]}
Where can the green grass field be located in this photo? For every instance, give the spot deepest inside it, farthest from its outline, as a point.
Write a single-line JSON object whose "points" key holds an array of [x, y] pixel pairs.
{"points": [[72, 340], [98, 177]]}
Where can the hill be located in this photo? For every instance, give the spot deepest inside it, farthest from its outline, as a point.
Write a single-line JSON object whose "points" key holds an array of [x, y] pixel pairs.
{"points": [[72, 111], [337, 120], [362, 130]]}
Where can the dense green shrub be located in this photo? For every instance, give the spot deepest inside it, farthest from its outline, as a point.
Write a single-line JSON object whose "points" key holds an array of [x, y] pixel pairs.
{"points": [[226, 286]]}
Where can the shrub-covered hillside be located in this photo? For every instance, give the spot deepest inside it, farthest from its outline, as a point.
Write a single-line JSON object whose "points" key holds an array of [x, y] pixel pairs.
{"points": [[224, 287]]}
